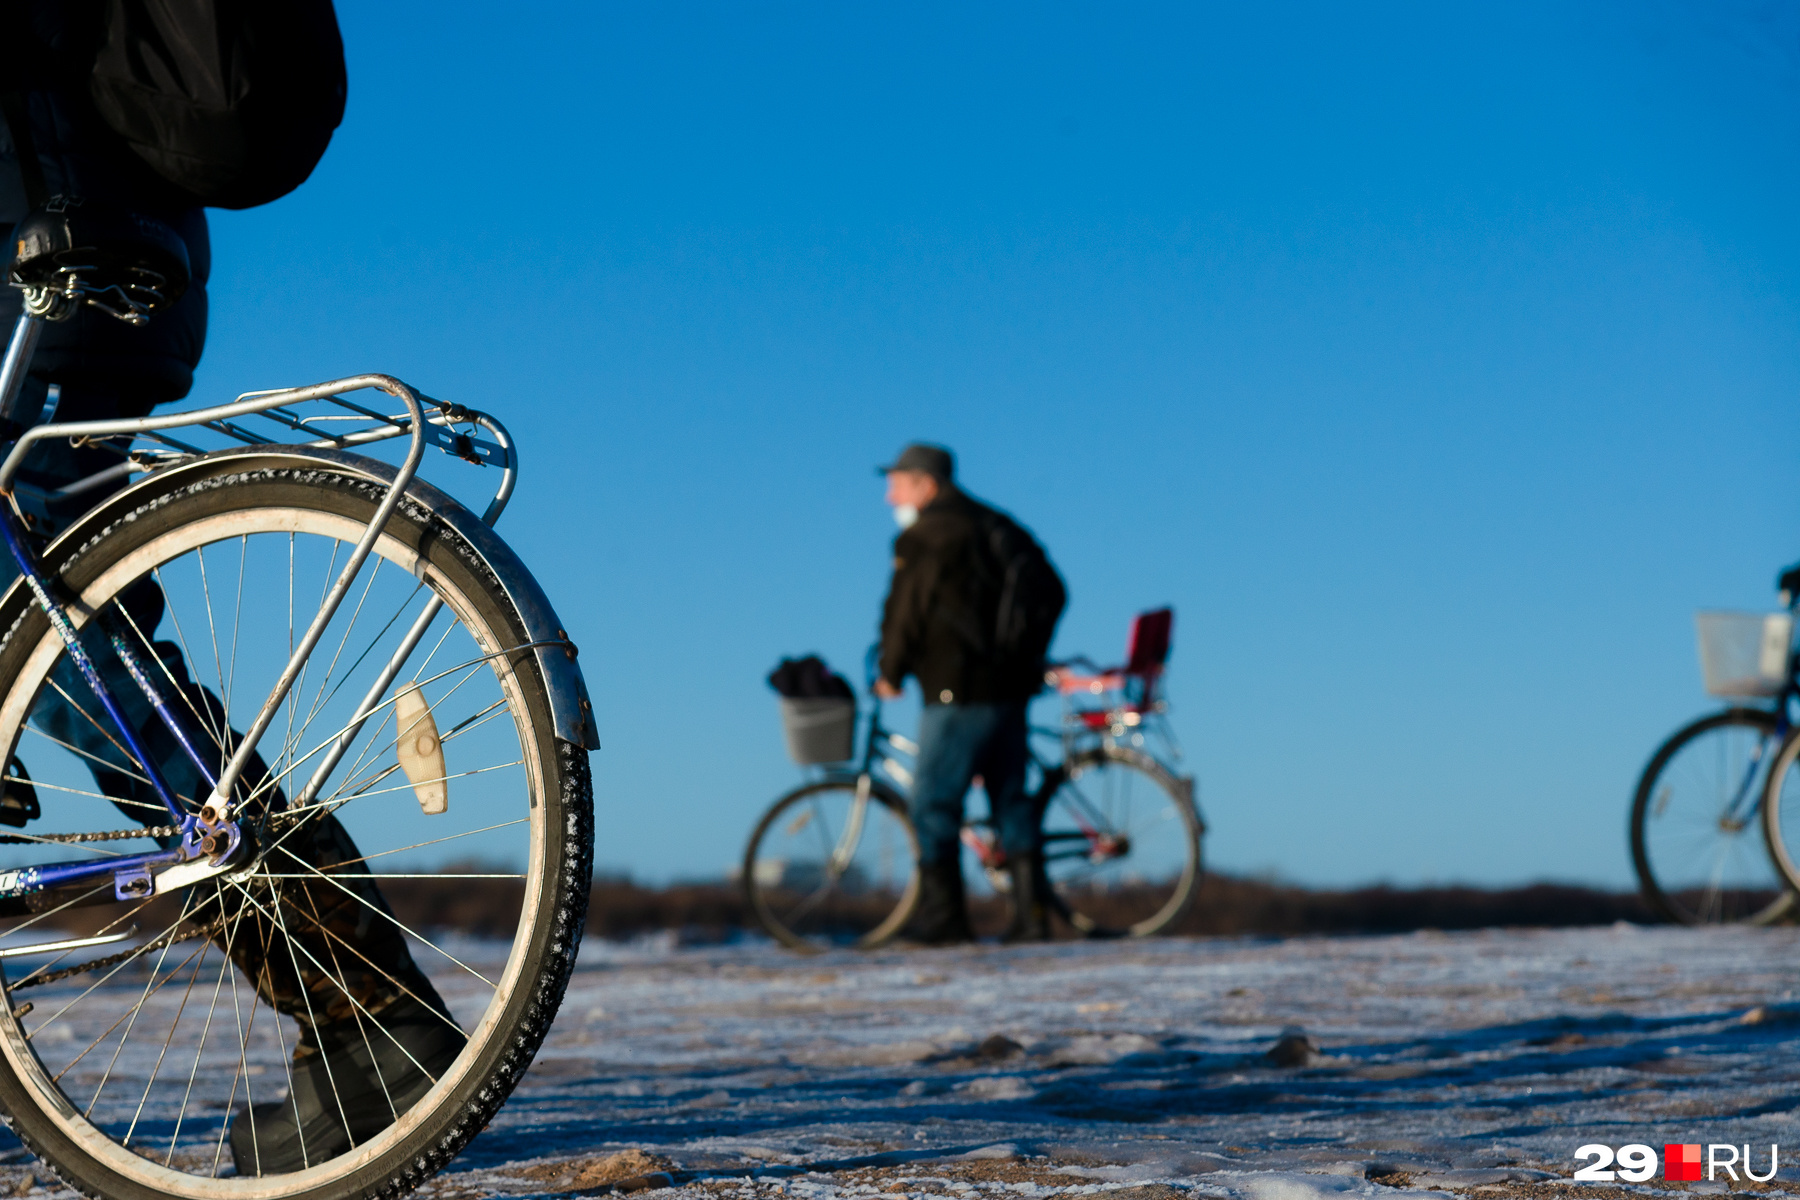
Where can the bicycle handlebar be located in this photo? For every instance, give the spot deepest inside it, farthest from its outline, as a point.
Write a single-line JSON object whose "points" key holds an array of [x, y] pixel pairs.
{"points": [[1788, 586]]}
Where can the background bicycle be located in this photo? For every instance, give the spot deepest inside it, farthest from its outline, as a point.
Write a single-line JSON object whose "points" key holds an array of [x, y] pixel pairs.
{"points": [[833, 862], [1699, 839]]}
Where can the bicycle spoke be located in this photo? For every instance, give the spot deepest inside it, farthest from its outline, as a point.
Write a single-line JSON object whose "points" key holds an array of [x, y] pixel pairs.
{"points": [[45, 968], [237, 616], [243, 1065], [93, 758], [399, 875], [132, 1024], [321, 747], [211, 625], [348, 995], [375, 640], [433, 842], [187, 652], [287, 1062], [288, 942], [376, 747], [122, 1018], [127, 755], [403, 927], [207, 725], [85, 993], [319, 697], [199, 1050], [357, 1009]]}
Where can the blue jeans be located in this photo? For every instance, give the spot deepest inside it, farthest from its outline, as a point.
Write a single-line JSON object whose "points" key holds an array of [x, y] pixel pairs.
{"points": [[956, 743]]}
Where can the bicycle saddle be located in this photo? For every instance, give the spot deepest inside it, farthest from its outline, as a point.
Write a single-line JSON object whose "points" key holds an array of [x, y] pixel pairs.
{"points": [[69, 253]]}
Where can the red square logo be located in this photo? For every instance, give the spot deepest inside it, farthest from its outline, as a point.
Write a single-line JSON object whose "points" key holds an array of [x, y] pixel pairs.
{"points": [[1681, 1162]]}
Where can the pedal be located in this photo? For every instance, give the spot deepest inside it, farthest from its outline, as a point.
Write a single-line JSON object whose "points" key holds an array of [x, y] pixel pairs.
{"points": [[421, 751], [18, 802]]}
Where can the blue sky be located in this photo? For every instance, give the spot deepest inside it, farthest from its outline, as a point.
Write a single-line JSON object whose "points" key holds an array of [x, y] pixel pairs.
{"points": [[1436, 362]]}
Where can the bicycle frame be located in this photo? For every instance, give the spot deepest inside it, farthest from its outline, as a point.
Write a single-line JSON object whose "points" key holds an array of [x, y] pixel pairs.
{"points": [[880, 743], [209, 836], [1746, 802]]}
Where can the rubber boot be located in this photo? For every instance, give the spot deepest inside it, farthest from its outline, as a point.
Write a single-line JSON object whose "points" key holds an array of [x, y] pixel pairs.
{"points": [[941, 919], [348, 1087], [1030, 914]]}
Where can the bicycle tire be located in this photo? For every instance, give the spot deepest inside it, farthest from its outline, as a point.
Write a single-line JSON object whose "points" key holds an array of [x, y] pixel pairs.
{"points": [[1784, 772], [1100, 906], [1710, 759], [863, 922], [548, 785]]}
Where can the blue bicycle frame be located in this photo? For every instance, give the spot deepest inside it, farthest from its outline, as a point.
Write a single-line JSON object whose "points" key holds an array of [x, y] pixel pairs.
{"points": [[1746, 802]]}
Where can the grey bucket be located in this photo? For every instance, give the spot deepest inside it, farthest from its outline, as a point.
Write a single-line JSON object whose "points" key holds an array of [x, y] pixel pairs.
{"points": [[819, 730]]}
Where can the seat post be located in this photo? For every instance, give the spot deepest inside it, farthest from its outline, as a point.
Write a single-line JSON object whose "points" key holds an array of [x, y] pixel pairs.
{"points": [[17, 362]]}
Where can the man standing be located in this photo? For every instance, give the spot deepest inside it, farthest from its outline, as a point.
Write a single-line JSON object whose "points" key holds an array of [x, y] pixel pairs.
{"points": [[970, 613]]}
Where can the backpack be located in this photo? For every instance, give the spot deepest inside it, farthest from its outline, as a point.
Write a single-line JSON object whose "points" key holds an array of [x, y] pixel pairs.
{"points": [[795, 678], [233, 101], [1030, 595]]}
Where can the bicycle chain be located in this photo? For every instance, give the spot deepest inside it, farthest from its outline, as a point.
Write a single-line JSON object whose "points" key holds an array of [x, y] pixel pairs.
{"points": [[111, 835], [98, 964]]}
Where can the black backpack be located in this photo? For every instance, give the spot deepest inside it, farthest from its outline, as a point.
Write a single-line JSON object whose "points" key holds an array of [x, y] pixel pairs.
{"points": [[233, 101], [795, 678], [1030, 595]]}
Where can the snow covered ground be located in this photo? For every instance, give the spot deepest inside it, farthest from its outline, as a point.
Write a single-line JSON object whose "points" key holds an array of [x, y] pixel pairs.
{"points": [[1462, 1058], [1443, 1060]]}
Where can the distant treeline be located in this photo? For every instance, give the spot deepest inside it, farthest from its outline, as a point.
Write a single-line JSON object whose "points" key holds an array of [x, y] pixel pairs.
{"points": [[1225, 905]]}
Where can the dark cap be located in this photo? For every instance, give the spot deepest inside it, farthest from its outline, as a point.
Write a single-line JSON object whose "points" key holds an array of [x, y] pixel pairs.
{"points": [[935, 461]]}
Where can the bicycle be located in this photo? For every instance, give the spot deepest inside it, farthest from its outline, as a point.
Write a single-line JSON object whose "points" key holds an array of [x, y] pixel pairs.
{"points": [[1705, 817], [835, 861], [398, 676]]}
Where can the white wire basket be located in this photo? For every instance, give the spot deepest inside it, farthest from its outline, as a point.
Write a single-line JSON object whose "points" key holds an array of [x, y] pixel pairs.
{"points": [[819, 731], [1744, 654]]}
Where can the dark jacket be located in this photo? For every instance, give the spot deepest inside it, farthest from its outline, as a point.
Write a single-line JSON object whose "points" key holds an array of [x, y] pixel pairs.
{"points": [[47, 53], [940, 613]]}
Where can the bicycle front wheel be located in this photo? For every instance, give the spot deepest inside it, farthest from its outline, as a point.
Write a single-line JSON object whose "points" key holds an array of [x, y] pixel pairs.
{"points": [[1121, 842], [833, 864], [341, 1012], [1694, 836]]}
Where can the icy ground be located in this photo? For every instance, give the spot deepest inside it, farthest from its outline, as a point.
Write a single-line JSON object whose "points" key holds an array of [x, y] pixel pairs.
{"points": [[1444, 1061], [1457, 1058]]}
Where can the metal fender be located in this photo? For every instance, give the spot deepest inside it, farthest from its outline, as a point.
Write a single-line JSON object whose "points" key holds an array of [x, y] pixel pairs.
{"points": [[570, 710]]}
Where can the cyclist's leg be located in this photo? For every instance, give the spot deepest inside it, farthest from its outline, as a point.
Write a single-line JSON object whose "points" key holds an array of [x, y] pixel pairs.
{"points": [[950, 738], [1002, 765]]}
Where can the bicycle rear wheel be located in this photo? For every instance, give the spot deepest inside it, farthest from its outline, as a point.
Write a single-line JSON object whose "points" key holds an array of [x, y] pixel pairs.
{"points": [[1781, 815], [833, 864], [1695, 840], [1121, 842], [364, 928]]}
